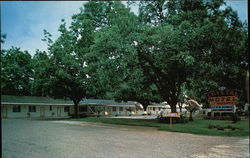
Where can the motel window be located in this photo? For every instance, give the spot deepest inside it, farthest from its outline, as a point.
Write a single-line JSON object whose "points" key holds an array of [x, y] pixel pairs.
{"points": [[66, 108], [82, 108], [153, 108], [114, 109], [32, 108], [50, 108], [16, 108], [121, 109]]}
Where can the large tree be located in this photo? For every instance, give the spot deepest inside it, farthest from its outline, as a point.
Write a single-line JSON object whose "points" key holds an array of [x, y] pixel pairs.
{"points": [[68, 78], [218, 42], [117, 66], [165, 59], [184, 40]]}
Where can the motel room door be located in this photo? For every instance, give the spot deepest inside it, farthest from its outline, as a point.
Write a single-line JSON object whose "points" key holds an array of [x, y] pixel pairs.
{"points": [[59, 111], [4, 112], [42, 111]]}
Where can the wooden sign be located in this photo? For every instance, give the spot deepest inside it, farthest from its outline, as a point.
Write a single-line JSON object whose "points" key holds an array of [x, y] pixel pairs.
{"points": [[222, 100], [171, 114], [223, 97], [226, 92], [174, 114], [223, 108]]}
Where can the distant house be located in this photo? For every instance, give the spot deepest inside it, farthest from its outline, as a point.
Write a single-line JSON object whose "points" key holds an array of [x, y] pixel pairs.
{"points": [[156, 108]]}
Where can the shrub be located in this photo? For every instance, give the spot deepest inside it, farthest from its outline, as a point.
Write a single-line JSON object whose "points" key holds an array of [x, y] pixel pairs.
{"points": [[83, 115], [220, 128], [209, 114], [210, 126], [235, 117]]}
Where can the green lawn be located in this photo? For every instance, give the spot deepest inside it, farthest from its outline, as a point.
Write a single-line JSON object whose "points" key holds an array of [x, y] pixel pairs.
{"points": [[198, 126]]}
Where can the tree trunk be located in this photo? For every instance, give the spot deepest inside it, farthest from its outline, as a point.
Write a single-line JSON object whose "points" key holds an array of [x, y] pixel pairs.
{"points": [[173, 108], [191, 116], [76, 108], [180, 106], [76, 111], [173, 103], [145, 105]]}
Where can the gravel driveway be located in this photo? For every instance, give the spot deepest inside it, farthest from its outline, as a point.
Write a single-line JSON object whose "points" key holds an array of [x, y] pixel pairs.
{"points": [[58, 139]]}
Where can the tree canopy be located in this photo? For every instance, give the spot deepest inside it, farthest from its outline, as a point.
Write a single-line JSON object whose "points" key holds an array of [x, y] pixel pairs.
{"points": [[170, 49]]}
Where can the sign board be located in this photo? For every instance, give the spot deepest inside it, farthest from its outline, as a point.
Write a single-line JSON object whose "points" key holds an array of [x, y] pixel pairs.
{"points": [[223, 108], [223, 100], [171, 114], [226, 92]]}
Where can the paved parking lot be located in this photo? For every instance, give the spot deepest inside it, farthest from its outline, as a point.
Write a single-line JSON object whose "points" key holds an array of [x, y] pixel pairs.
{"points": [[58, 139]]}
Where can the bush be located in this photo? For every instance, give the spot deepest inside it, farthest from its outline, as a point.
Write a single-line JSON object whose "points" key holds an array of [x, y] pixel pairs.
{"points": [[209, 114], [220, 128], [235, 117], [210, 126], [83, 115]]}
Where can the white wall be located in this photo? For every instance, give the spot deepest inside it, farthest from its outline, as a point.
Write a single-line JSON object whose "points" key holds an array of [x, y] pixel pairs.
{"points": [[25, 110], [110, 112]]}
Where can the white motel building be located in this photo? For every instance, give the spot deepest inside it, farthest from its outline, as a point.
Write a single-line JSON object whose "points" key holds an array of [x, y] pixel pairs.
{"points": [[45, 107]]}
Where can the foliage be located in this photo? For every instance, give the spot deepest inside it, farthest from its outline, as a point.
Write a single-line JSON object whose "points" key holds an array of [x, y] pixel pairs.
{"points": [[16, 72], [41, 66], [99, 109], [164, 59], [114, 52], [191, 109], [215, 39], [3, 37]]}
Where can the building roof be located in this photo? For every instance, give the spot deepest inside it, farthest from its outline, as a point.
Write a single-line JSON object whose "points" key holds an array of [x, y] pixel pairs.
{"points": [[32, 100], [106, 102]]}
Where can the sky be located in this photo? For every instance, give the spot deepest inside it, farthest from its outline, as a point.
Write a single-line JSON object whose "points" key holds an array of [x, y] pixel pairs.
{"points": [[24, 21]]}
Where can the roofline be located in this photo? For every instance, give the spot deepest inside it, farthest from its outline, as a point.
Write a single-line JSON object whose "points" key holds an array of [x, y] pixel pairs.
{"points": [[9, 103], [50, 104]]}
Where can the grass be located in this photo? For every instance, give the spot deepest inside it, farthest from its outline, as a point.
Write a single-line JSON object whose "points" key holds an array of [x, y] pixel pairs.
{"points": [[198, 126]]}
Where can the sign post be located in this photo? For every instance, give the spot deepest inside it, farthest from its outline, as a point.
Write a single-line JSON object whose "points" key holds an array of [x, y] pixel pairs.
{"points": [[170, 115], [170, 124]]}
